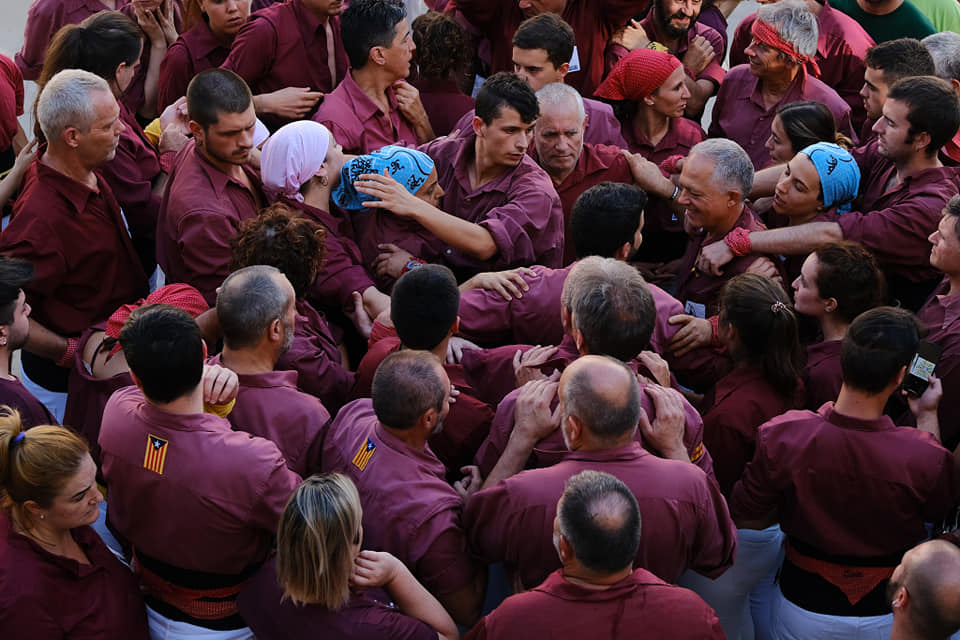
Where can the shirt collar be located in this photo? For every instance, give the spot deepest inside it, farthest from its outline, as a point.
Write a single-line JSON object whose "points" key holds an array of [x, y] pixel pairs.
{"points": [[883, 423], [219, 180], [76, 193], [364, 107]]}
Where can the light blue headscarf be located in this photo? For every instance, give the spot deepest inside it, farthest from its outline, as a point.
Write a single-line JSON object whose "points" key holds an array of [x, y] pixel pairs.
{"points": [[409, 167], [839, 174]]}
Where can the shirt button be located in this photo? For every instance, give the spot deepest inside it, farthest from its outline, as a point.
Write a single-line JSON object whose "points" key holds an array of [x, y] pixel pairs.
{"points": [[449, 252]]}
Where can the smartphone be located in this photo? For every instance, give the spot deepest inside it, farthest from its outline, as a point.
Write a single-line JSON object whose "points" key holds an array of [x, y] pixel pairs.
{"points": [[922, 365]]}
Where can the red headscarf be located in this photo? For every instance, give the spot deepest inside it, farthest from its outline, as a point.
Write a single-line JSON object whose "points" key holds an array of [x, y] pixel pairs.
{"points": [[637, 75], [767, 34]]}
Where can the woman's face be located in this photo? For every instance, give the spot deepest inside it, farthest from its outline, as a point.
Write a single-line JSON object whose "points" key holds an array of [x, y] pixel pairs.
{"points": [[334, 160], [806, 294], [798, 190], [671, 97], [225, 16], [76, 504], [778, 144], [126, 72], [430, 191]]}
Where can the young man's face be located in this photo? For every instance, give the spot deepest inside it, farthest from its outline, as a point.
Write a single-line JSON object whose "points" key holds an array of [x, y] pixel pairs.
{"points": [[533, 66], [506, 138], [893, 131], [873, 92], [229, 140]]}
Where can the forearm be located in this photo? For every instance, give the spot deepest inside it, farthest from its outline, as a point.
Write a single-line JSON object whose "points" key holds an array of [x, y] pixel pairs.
{"points": [[512, 460], [424, 130], [45, 343], [151, 81], [466, 236], [700, 92], [928, 421], [415, 601], [798, 240], [765, 181], [375, 301]]}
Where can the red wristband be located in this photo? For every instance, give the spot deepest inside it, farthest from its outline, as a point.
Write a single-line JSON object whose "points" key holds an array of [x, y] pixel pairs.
{"points": [[412, 264], [714, 333], [66, 360], [739, 241]]}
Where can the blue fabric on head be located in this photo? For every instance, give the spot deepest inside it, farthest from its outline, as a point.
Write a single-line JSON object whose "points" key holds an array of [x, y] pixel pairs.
{"points": [[409, 167], [839, 174]]}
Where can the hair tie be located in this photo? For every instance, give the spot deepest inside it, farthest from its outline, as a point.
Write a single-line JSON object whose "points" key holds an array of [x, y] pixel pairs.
{"points": [[778, 306], [17, 439]]}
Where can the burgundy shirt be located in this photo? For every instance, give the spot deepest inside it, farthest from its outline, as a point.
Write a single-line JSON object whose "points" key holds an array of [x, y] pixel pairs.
{"points": [[444, 103], [593, 23], [714, 70], [861, 488], [272, 617], [342, 272], [408, 508], [703, 289], [841, 48], [315, 356], [285, 45], [201, 211], [215, 506], [596, 164], [358, 124], [11, 101], [32, 411], [685, 520], [732, 411], [520, 209], [43, 595], [941, 317], [740, 114], [194, 51], [465, 427], [44, 19], [270, 406], [602, 126], [85, 265], [822, 376], [560, 609]]}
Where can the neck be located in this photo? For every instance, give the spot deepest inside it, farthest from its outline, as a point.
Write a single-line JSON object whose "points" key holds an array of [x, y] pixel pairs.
{"points": [[778, 85], [260, 359], [917, 162], [486, 170], [857, 404], [225, 39], [234, 171], [558, 178], [793, 221], [954, 280], [374, 83], [412, 437], [187, 404], [651, 123], [579, 575], [68, 165], [833, 328], [50, 538], [317, 195], [588, 442], [319, 15], [5, 354], [663, 38], [723, 228]]}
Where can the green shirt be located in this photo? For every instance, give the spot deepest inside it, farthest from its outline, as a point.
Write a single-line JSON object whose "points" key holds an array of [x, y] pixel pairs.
{"points": [[906, 21]]}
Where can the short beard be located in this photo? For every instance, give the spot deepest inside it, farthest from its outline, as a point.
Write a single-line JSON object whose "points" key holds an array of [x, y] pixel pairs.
{"points": [[664, 22]]}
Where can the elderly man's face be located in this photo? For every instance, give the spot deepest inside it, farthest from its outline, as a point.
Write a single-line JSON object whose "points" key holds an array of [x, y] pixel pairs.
{"points": [[708, 206], [98, 144], [559, 138], [765, 61]]}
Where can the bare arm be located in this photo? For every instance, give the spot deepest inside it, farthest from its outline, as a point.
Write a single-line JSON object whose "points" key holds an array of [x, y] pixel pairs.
{"points": [[765, 181], [45, 343], [798, 240], [14, 178], [700, 92]]}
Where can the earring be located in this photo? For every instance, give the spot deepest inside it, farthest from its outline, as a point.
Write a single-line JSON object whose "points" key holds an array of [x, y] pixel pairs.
{"points": [[3, 341], [42, 516]]}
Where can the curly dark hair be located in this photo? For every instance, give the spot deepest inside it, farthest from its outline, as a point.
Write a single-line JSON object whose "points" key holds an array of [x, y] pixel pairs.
{"points": [[279, 237], [443, 50]]}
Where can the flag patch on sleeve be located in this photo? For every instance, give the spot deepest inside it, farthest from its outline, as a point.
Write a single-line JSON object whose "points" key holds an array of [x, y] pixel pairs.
{"points": [[364, 453], [155, 455]]}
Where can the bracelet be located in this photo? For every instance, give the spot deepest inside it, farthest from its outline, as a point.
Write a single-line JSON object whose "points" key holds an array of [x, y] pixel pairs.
{"points": [[656, 46], [66, 360], [412, 264], [739, 241], [676, 192]]}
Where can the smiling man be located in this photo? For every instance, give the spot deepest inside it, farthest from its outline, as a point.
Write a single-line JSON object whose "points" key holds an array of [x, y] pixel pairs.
{"points": [[903, 191], [210, 190]]}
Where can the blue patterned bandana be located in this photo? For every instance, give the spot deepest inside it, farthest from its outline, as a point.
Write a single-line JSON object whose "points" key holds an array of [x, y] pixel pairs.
{"points": [[409, 167], [839, 174]]}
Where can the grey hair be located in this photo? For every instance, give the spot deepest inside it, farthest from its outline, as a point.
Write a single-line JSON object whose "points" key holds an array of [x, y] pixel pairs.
{"points": [[249, 300], [557, 94], [944, 48], [733, 168], [65, 102], [794, 22]]}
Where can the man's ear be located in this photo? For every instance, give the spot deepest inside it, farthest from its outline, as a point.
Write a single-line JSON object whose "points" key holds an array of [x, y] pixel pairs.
{"points": [[478, 125], [196, 130], [71, 137]]}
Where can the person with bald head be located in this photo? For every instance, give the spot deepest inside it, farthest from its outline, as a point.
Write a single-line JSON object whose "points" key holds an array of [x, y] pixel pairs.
{"points": [[597, 592], [601, 404], [924, 593]]}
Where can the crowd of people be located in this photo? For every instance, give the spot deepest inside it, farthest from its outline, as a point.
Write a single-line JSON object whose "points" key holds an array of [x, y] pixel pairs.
{"points": [[321, 319]]}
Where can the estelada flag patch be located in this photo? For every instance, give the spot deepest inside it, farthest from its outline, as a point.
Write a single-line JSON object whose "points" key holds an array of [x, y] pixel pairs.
{"points": [[155, 455], [364, 453]]}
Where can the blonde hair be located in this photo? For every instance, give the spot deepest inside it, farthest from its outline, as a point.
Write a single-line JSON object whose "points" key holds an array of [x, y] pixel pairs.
{"points": [[318, 529], [35, 463]]}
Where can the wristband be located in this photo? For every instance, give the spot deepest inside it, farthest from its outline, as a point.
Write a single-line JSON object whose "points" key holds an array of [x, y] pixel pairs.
{"points": [[66, 360], [714, 333], [739, 241], [412, 264], [676, 192], [656, 46]]}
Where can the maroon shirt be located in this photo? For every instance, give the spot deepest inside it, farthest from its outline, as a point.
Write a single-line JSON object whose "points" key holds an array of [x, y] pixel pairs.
{"points": [[822, 376], [699, 288], [465, 427], [596, 164], [444, 103], [201, 211], [408, 508], [11, 101], [285, 45], [43, 595], [686, 524], [85, 265], [841, 48], [32, 412], [861, 488], [560, 609], [270, 406], [741, 115], [714, 70], [732, 411], [273, 617], [221, 490], [520, 209], [358, 124], [315, 356], [194, 51], [593, 23], [44, 19], [941, 317]]}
